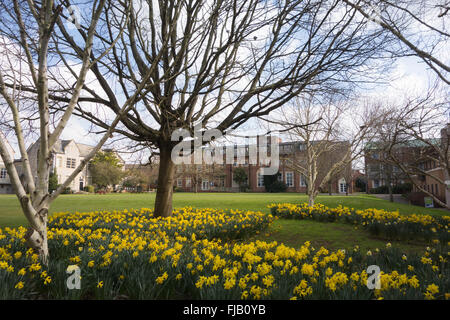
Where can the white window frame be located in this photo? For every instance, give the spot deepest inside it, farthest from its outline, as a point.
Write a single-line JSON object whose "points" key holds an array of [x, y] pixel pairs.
{"points": [[291, 174], [205, 182], [260, 179], [188, 182], [302, 182], [342, 185], [179, 182]]}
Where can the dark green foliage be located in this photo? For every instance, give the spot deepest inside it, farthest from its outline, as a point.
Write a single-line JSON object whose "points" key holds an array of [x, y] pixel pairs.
{"points": [[240, 177], [272, 184], [361, 184], [67, 190], [52, 181], [106, 169], [397, 189]]}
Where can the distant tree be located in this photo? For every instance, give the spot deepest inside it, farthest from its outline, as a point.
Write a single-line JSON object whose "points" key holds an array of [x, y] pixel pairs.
{"points": [[106, 169], [134, 179], [52, 181], [199, 172], [413, 133], [329, 142], [240, 177]]}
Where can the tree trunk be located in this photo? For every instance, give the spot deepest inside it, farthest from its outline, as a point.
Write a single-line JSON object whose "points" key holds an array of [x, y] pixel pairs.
{"points": [[37, 239], [164, 190], [311, 200], [36, 235], [389, 178], [311, 195]]}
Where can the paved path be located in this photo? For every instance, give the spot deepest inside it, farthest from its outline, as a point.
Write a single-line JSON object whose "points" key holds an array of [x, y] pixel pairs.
{"points": [[397, 198]]}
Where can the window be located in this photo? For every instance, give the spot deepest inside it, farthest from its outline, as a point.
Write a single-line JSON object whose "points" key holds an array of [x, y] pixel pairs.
{"points": [[302, 181], [188, 182], [376, 183], [70, 163], [205, 185], [3, 173], [280, 176], [342, 187], [260, 179], [179, 182], [289, 179]]}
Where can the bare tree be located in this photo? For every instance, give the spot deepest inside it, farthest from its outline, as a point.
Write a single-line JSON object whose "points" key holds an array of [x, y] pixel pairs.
{"points": [[27, 30], [200, 172], [419, 25], [220, 63], [329, 145], [418, 134]]}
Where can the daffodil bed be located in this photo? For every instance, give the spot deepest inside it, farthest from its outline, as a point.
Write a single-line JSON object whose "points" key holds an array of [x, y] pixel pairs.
{"points": [[388, 224], [202, 254]]}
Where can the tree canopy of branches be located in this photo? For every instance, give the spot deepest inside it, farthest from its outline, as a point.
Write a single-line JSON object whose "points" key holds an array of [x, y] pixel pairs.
{"points": [[220, 63], [421, 27]]}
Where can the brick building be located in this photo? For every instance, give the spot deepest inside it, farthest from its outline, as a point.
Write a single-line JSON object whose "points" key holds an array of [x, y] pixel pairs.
{"points": [[219, 177], [414, 154]]}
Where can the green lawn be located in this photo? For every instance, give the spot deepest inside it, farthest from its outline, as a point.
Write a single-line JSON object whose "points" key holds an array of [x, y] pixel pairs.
{"points": [[10, 213], [291, 232], [333, 236]]}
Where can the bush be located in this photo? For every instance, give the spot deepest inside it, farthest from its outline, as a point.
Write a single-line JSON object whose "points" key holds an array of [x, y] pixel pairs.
{"points": [[276, 186], [67, 190], [399, 188], [402, 188], [389, 224], [243, 187], [380, 190], [89, 189]]}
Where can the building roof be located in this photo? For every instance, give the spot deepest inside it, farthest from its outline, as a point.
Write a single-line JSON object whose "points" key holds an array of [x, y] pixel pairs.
{"points": [[84, 149], [416, 143]]}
